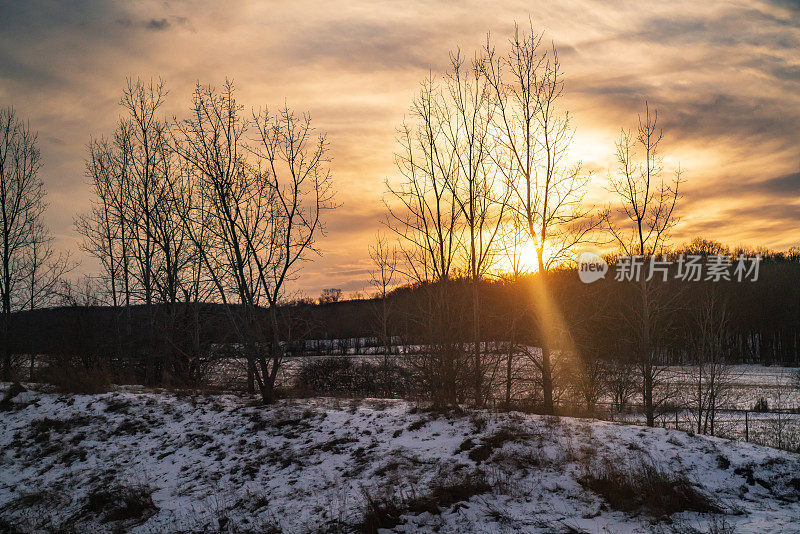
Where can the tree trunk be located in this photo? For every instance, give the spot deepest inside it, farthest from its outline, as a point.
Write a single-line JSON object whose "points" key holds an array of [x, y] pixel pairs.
{"points": [[648, 396], [509, 364], [647, 354], [6, 343], [547, 381], [478, 385], [270, 372], [6, 317]]}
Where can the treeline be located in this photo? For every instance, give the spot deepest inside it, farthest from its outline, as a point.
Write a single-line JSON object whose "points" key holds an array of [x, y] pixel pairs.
{"points": [[761, 318], [704, 323]]}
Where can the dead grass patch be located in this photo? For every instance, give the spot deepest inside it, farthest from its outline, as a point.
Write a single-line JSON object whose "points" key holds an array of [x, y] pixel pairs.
{"points": [[132, 505], [643, 485], [385, 511]]}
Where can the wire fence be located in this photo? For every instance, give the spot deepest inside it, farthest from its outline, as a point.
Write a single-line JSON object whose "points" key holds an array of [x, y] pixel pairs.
{"points": [[777, 428]]}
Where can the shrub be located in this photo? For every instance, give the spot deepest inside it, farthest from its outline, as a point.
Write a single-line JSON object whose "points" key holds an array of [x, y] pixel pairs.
{"points": [[345, 376], [15, 389], [761, 405], [71, 377], [489, 443], [130, 504], [720, 525]]}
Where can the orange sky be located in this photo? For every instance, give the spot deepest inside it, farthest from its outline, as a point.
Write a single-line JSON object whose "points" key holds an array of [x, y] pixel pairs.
{"points": [[725, 77]]}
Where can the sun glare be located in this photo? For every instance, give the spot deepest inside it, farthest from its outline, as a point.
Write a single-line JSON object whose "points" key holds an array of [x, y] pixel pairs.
{"points": [[523, 260], [528, 258]]}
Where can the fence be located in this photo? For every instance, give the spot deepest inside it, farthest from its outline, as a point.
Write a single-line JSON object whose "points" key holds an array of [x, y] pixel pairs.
{"points": [[777, 428]]}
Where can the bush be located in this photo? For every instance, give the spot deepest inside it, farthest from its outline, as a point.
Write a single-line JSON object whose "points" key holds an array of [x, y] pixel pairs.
{"points": [[347, 376], [74, 377], [761, 405], [644, 485], [15, 389]]}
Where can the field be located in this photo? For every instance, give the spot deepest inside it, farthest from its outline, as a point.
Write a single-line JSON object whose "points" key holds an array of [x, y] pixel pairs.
{"points": [[745, 385], [780, 386], [155, 461]]}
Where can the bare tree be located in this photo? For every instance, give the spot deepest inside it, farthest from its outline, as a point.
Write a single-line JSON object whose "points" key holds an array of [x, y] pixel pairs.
{"points": [[713, 375], [478, 190], [149, 178], [99, 228], [134, 226], [513, 242], [588, 378], [621, 382], [261, 205], [223, 192], [30, 269], [647, 213], [44, 272], [174, 272], [532, 153], [45, 268], [330, 295], [295, 162], [382, 276], [422, 209], [426, 217], [452, 200], [441, 367], [105, 228], [84, 291]]}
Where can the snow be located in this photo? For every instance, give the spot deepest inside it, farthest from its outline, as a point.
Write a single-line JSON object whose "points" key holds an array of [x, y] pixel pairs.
{"points": [[223, 463]]}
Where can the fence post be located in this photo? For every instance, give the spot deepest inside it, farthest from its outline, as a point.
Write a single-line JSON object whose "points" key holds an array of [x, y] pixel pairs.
{"points": [[676, 419], [746, 426]]}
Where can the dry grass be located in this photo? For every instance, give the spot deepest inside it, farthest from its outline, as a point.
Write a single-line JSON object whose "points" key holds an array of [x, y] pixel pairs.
{"points": [[129, 504], [384, 511], [643, 485]]}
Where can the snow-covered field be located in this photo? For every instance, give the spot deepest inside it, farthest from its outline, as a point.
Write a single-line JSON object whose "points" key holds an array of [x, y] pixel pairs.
{"points": [[745, 383], [164, 462]]}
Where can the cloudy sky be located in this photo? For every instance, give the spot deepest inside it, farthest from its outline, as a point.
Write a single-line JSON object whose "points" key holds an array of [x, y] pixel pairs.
{"points": [[725, 77]]}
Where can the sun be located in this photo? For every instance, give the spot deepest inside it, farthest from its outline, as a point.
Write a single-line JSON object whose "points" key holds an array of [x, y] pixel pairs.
{"points": [[529, 260], [523, 259], [520, 259]]}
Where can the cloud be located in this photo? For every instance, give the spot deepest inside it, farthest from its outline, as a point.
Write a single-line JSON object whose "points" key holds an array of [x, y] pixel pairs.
{"points": [[785, 185], [725, 77], [157, 24]]}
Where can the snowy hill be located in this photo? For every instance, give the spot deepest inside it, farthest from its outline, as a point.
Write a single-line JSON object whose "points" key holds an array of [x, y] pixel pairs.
{"points": [[154, 462]]}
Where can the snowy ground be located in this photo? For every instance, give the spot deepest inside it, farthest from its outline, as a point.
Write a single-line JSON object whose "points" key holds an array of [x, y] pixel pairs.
{"points": [[156, 462]]}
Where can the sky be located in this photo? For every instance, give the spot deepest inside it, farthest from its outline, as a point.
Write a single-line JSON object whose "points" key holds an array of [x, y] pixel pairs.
{"points": [[725, 77]]}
